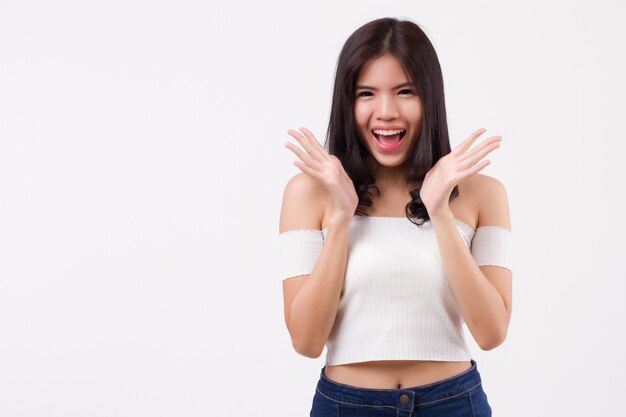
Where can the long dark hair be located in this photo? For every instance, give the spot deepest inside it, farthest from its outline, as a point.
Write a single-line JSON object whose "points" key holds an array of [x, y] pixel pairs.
{"points": [[409, 44]]}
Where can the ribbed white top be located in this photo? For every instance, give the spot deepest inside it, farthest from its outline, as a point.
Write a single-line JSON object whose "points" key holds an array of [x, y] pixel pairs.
{"points": [[396, 302]]}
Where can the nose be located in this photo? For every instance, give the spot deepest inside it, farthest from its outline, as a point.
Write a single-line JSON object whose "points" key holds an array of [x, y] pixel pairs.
{"points": [[388, 109]]}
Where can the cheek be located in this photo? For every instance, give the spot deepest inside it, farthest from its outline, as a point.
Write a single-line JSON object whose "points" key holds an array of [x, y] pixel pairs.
{"points": [[361, 113], [361, 116], [414, 113]]}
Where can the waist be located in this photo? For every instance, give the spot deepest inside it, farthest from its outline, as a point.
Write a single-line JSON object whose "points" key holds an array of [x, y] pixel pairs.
{"points": [[394, 374]]}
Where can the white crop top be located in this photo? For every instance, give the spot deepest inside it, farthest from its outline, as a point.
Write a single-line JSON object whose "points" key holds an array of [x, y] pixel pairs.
{"points": [[397, 303]]}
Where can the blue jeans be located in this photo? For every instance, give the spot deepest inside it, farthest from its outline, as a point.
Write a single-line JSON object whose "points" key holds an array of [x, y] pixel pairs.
{"points": [[460, 395]]}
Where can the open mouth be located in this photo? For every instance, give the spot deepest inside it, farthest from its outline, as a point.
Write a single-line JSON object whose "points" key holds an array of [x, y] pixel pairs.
{"points": [[388, 137]]}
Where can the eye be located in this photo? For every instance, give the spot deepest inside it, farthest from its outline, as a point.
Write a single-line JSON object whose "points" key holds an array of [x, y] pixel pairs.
{"points": [[363, 92], [407, 90]]}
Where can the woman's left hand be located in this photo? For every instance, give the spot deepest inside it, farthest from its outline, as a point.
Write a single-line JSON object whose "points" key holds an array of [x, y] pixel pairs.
{"points": [[460, 163]]}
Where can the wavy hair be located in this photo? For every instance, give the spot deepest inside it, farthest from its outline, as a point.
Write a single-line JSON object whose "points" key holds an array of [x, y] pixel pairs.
{"points": [[409, 44]]}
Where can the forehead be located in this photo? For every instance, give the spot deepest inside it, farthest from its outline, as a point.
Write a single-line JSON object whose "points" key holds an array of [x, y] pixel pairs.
{"points": [[382, 71]]}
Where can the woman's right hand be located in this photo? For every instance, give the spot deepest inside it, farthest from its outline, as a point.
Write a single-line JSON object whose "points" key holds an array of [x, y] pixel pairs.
{"points": [[327, 169]]}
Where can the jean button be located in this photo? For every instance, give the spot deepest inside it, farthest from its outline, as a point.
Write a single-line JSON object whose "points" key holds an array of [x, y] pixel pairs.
{"points": [[404, 398]]}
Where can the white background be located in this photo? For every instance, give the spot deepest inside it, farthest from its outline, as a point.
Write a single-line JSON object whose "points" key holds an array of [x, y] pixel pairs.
{"points": [[142, 166]]}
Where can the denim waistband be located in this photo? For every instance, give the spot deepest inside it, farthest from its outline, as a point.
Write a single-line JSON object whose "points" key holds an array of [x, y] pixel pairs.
{"points": [[401, 398]]}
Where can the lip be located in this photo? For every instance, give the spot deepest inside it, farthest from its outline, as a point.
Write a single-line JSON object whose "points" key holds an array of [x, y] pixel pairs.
{"points": [[389, 148], [388, 128]]}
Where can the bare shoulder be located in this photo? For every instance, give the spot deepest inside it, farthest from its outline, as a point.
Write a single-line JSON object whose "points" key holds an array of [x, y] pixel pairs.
{"points": [[303, 204], [492, 201]]}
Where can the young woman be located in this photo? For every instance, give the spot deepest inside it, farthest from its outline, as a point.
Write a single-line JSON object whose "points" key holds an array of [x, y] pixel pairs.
{"points": [[385, 280]]}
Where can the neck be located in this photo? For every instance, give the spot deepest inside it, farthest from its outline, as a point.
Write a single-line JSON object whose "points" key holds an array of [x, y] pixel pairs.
{"points": [[391, 178]]}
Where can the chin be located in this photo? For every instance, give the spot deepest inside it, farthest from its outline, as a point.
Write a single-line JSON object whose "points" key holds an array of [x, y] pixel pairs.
{"points": [[390, 161]]}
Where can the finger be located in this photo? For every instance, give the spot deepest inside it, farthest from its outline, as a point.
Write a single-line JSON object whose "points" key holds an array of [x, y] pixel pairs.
{"points": [[304, 157], [476, 168], [465, 145], [486, 143], [300, 138], [304, 142], [314, 143], [306, 169], [471, 160]]}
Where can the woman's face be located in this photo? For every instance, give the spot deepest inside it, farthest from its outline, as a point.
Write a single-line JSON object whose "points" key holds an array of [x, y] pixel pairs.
{"points": [[387, 110]]}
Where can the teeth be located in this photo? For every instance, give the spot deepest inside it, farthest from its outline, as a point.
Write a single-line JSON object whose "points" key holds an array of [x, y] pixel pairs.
{"points": [[387, 132]]}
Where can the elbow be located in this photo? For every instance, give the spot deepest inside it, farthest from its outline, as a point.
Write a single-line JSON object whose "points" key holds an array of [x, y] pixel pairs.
{"points": [[496, 336], [310, 350], [494, 340], [303, 343], [490, 345]]}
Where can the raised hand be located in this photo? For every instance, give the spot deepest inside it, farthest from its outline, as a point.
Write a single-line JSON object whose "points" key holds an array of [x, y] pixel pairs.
{"points": [[327, 169], [460, 163]]}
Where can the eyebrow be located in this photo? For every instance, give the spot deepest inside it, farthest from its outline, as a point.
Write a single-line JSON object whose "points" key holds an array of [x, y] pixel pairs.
{"points": [[366, 87]]}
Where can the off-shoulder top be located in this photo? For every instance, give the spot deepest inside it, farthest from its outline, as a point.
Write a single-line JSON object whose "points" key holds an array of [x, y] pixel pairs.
{"points": [[396, 302]]}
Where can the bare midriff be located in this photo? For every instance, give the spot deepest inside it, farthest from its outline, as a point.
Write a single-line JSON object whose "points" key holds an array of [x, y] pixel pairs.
{"points": [[394, 374]]}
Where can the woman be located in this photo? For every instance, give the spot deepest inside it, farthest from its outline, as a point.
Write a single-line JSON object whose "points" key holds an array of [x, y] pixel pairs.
{"points": [[385, 280]]}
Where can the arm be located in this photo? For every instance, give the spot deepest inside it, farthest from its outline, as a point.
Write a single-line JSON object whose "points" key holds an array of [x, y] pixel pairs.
{"points": [[311, 301], [483, 293]]}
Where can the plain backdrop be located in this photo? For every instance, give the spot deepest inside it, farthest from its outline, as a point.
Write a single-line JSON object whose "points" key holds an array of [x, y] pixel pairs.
{"points": [[142, 166]]}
